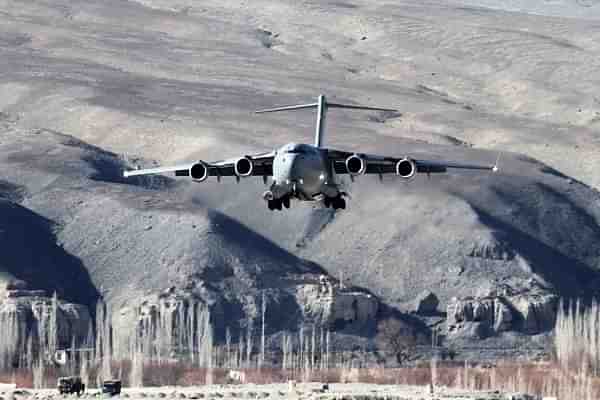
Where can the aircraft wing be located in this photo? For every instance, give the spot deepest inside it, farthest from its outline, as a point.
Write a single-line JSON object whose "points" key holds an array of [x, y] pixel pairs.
{"points": [[385, 165], [262, 165], [159, 170]]}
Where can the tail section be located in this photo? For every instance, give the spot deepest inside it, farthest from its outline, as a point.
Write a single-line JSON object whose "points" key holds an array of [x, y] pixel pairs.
{"points": [[322, 106]]}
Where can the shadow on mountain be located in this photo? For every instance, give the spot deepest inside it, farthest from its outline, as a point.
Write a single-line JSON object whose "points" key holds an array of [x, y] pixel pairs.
{"points": [[11, 191], [268, 257], [571, 277], [554, 172], [239, 267], [557, 218], [268, 268], [109, 167], [30, 253], [387, 312]]}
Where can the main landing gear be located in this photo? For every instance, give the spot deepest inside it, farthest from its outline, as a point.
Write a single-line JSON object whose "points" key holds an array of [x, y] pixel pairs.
{"points": [[278, 204], [335, 202]]}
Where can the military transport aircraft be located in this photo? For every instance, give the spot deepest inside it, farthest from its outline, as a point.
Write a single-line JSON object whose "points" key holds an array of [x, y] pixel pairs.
{"points": [[308, 172]]}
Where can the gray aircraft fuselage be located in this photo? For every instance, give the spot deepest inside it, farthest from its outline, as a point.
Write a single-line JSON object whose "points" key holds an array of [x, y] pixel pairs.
{"points": [[302, 171]]}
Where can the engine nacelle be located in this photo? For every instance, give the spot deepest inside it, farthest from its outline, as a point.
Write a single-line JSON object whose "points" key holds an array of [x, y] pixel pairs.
{"points": [[406, 168], [356, 165], [199, 171], [243, 167]]}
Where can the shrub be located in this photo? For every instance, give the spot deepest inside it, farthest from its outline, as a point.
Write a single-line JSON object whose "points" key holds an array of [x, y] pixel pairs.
{"points": [[396, 338]]}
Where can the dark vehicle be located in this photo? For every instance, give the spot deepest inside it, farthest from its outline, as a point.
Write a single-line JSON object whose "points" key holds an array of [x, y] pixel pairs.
{"points": [[111, 387], [70, 385]]}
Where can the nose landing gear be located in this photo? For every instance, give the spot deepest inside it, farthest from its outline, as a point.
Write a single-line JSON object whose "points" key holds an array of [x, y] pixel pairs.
{"points": [[335, 202], [278, 204]]}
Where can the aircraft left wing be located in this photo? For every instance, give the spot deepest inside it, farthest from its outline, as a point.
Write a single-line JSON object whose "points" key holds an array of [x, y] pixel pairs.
{"points": [[178, 169], [344, 162], [250, 165]]}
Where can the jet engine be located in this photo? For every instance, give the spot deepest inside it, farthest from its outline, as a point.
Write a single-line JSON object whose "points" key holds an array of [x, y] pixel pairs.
{"points": [[406, 168], [356, 165], [199, 171], [243, 167]]}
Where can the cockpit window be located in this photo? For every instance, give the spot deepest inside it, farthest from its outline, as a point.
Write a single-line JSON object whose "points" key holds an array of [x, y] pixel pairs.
{"points": [[296, 151]]}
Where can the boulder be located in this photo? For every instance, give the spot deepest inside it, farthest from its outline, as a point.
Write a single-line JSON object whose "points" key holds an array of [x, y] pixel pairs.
{"points": [[537, 312], [426, 303], [492, 248], [351, 307], [333, 306]]}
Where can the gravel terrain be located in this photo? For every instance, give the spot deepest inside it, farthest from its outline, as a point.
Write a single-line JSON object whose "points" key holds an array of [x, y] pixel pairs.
{"points": [[301, 391]]}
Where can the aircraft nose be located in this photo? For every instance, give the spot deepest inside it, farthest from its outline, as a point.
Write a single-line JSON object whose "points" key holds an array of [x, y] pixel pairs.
{"points": [[295, 168]]}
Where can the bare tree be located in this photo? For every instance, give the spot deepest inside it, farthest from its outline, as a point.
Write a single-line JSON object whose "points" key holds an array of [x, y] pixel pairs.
{"points": [[396, 338], [262, 334]]}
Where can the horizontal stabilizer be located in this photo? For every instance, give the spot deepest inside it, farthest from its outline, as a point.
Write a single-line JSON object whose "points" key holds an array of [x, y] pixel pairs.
{"points": [[286, 108], [329, 105], [351, 107], [322, 105]]}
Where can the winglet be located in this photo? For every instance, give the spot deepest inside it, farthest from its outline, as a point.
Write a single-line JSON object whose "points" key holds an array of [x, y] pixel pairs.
{"points": [[127, 174], [496, 167]]}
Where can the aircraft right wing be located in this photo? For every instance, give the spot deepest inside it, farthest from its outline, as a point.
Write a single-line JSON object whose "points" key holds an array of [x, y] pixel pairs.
{"points": [[251, 165], [344, 162]]}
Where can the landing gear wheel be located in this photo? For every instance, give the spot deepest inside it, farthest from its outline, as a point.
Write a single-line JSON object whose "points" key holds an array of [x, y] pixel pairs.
{"points": [[286, 201], [274, 204], [336, 203]]}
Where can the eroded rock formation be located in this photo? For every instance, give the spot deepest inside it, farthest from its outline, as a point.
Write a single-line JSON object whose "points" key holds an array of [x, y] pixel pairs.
{"points": [[480, 317], [335, 306], [33, 323]]}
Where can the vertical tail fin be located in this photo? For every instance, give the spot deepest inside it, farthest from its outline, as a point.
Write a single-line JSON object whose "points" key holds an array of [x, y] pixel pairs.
{"points": [[320, 126], [322, 106]]}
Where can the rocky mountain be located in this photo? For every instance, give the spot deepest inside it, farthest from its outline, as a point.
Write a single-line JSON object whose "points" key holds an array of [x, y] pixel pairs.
{"points": [[91, 89]]}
